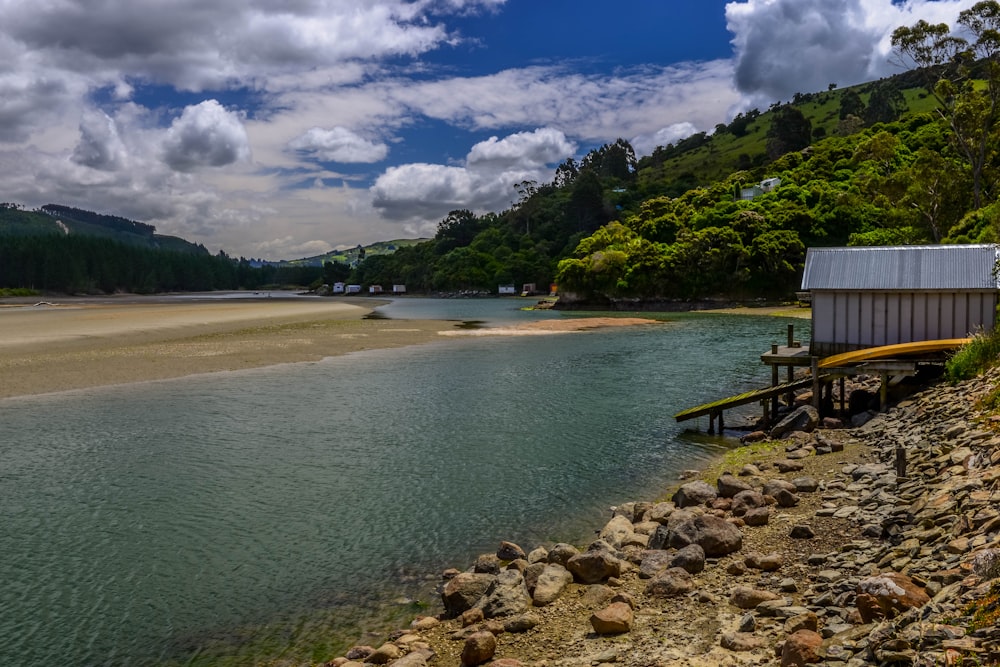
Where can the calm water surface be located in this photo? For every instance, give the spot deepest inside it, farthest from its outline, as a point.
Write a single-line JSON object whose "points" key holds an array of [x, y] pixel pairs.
{"points": [[245, 514]]}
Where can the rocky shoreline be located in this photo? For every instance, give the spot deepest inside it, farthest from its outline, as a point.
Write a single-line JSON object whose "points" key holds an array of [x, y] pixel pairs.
{"points": [[873, 545]]}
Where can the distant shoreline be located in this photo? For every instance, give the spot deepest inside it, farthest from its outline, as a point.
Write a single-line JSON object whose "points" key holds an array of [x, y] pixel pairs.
{"points": [[79, 343], [51, 344]]}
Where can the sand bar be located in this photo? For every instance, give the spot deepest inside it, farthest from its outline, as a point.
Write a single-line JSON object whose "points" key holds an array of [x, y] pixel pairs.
{"points": [[63, 344]]}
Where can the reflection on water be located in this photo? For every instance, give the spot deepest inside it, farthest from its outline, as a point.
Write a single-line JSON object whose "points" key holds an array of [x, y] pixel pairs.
{"points": [[240, 512]]}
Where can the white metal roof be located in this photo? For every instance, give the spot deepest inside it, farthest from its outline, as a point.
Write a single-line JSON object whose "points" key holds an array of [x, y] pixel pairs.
{"points": [[930, 267]]}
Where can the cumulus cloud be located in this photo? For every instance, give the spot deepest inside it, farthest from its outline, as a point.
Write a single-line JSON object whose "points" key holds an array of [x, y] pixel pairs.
{"points": [[645, 144], [423, 193], [338, 144], [784, 47], [100, 147], [598, 107], [525, 150], [196, 45], [205, 135]]}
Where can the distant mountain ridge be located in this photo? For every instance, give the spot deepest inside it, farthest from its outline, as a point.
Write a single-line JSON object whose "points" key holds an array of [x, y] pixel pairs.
{"points": [[65, 220]]}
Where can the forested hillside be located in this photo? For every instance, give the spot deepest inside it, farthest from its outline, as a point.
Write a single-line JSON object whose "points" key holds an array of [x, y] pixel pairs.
{"points": [[910, 159], [74, 251]]}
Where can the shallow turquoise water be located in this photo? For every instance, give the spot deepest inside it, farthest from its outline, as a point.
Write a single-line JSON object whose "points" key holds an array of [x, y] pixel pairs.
{"points": [[146, 523]]}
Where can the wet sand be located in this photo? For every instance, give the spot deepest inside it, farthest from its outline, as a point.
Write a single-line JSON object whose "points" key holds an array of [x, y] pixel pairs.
{"points": [[63, 344], [77, 343]]}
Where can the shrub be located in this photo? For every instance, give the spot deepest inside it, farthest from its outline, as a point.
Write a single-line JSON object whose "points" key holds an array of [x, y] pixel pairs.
{"points": [[981, 353]]}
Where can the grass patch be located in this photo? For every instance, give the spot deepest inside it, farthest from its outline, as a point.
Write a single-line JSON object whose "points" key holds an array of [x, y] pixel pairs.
{"points": [[975, 357], [17, 291]]}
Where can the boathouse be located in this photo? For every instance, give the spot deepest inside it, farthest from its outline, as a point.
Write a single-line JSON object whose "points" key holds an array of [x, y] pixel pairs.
{"points": [[871, 296]]}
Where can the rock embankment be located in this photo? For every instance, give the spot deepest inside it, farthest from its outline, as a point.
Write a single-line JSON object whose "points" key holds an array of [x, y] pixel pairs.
{"points": [[876, 545]]}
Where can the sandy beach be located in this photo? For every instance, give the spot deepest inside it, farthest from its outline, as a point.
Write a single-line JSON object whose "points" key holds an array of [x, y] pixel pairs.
{"points": [[75, 343], [67, 343]]}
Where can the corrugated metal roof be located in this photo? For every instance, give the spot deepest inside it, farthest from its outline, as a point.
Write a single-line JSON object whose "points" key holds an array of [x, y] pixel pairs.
{"points": [[938, 267]]}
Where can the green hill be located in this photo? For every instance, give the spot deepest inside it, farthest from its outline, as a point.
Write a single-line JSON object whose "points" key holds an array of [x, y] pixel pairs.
{"points": [[352, 256]]}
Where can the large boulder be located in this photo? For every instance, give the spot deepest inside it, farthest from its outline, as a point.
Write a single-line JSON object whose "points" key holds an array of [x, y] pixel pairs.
{"points": [[509, 551], [887, 595], [745, 501], [561, 553], [617, 532], [506, 596], [464, 590], [480, 647], [614, 619], [694, 493], [551, 583], [591, 567], [691, 559], [716, 536], [670, 583], [804, 419], [801, 648], [729, 485]]}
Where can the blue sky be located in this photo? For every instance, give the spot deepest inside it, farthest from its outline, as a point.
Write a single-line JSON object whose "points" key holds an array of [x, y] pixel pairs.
{"points": [[282, 129]]}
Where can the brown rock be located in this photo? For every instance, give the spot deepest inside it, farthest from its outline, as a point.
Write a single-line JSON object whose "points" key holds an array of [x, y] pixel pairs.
{"points": [[384, 654], [464, 590], [806, 621], [669, 583], [745, 597], [471, 617], [510, 551], [758, 516], [614, 619], [716, 536], [421, 623], [801, 648], [741, 641], [887, 595], [591, 567], [359, 652], [744, 501], [766, 562], [479, 648]]}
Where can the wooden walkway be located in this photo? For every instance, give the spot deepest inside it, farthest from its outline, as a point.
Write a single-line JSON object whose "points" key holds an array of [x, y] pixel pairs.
{"points": [[755, 395], [880, 359]]}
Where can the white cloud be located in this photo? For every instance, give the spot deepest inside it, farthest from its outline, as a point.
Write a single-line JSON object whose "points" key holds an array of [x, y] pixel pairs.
{"points": [[645, 144], [785, 47], [526, 150], [422, 194], [339, 144], [593, 107], [100, 147], [196, 45], [205, 135]]}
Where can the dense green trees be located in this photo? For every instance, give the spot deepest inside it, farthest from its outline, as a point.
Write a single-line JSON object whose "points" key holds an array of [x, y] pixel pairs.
{"points": [[79, 264], [692, 220]]}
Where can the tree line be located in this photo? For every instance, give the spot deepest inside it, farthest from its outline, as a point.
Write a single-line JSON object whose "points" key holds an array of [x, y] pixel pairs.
{"points": [[79, 264], [612, 226]]}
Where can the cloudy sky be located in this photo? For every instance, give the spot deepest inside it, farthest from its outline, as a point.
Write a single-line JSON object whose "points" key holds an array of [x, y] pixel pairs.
{"points": [[285, 128]]}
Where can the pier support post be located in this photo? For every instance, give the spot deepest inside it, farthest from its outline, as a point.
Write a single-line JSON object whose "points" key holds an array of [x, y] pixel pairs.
{"points": [[842, 397], [774, 383], [883, 402], [814, 369]]}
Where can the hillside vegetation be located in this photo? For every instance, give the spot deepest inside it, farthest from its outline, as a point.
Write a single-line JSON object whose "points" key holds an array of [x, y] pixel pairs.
{"points": [[909, 159]]}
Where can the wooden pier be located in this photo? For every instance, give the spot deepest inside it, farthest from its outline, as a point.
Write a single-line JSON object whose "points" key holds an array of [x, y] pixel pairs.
{"points": [[891, 362]]}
